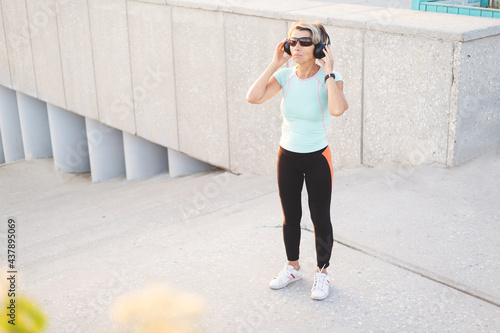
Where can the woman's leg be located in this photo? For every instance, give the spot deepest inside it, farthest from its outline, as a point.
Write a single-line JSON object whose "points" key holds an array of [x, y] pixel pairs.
{"points": [[290, 183], [319, 188]]}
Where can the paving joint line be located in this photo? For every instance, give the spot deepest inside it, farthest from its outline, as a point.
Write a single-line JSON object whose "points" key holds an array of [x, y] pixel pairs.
{"points": [[418, 270], [411, 268]]}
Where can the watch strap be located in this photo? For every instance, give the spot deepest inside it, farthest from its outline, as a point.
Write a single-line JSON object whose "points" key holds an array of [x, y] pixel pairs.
{"points": [[329, 76]]}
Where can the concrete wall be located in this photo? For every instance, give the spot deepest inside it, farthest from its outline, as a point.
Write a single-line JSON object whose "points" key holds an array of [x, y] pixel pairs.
{"points": [[422, 87]]}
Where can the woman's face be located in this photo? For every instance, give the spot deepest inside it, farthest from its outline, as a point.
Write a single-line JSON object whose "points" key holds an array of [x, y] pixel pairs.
{"points": [[302, 54]]}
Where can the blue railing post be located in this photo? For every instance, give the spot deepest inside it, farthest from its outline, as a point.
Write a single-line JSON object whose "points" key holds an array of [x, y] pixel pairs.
{"points": [[415, 4]]}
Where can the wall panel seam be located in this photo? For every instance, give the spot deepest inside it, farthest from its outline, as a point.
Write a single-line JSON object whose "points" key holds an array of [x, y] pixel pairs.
{"points": [[60, 56], [93, 60], [226, 90], [6, 48], [362, 102], [31, 48], [130, 68], [178, 148]]}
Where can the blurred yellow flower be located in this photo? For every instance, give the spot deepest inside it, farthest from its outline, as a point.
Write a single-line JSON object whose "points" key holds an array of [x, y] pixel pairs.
{"points": [[21, 315], [157, 309]]}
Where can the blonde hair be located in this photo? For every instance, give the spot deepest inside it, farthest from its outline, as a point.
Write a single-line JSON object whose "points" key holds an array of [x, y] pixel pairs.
{"points": [[317, 30]]}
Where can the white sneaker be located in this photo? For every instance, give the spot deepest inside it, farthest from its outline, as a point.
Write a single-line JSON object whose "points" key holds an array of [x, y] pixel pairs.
{"points": [[285, 276], [321, 286]]}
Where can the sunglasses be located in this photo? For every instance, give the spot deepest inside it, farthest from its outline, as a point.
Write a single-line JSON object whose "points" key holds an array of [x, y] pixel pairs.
{"points": [[303, 41]]}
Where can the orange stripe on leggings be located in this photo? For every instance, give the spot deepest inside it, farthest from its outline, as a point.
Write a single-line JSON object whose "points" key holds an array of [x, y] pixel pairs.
{"points": [[328, 155]]}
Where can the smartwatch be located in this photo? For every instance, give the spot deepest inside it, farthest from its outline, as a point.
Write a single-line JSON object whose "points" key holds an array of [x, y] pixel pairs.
{"points": [[329, 76]]}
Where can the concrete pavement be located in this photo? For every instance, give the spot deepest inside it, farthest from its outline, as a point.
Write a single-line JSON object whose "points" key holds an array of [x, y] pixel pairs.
{"points": [[418, 249]]}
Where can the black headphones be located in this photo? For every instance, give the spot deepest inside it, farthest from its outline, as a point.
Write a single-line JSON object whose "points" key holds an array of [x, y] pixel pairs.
{"points": [[318, 48]]}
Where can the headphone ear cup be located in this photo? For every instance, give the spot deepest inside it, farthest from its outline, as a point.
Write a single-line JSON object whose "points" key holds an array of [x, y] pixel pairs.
{"points": [[287, 48], [318, 50]]}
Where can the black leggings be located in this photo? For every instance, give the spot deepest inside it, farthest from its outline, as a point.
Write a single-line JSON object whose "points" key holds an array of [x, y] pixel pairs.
{"points": [[316, 169]]}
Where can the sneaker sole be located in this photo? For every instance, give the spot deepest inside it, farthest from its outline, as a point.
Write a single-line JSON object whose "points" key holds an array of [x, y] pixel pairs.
{"points": [[289, 281], [318, 298]]}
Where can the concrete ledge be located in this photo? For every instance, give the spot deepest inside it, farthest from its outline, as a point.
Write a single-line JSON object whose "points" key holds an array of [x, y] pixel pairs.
{"points": [[176, 72], [401, 21]]}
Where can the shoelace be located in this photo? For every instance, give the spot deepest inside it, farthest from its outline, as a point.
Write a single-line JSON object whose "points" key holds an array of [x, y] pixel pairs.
{"points": [[319, 278]]}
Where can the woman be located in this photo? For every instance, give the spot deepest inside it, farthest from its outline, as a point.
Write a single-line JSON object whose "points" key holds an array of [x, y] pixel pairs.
{"points": [[310, 92]]}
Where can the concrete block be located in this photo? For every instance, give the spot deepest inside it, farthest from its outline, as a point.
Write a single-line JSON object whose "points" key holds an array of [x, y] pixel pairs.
{"points": [[108, 21], [151, 54], [46, 56], [254, 130], [157, 2], [432, 25], [69, 140], [5, 79], [263, 8], [143, 159], [106, 153], [35, 127], [339, 14], [17, 35], [345, 133], [200, 76], [76, 57], [10, 126], [406, 112], [475, 128], [180, 164]]}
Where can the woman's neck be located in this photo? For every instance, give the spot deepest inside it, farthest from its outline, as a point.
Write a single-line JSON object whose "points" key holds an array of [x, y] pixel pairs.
{"points": [[305, 71]]}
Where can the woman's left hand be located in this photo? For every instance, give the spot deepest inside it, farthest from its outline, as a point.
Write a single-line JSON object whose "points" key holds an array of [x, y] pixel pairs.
{"points": [[327, 61]]}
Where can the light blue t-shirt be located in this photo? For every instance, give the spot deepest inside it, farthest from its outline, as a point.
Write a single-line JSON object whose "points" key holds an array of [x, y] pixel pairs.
{"points": [[305, 110]]}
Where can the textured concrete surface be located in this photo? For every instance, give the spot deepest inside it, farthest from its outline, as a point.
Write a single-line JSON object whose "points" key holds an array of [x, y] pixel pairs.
{"points": [[477, 122], [416, 250], [111, 56], [346, 132], [200, 79], [152, 64], [4, 58], [18, 46], [176, 72], [75, 44], [406, 76], [249, 148], [43, 32]]}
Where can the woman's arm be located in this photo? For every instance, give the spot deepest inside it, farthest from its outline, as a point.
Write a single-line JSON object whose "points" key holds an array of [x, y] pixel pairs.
{"points": [[266, 85], [337, 103], [336, 99]]}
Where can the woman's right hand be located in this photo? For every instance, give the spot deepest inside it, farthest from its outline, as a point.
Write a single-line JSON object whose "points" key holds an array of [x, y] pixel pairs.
{"points": [[280, 57], [266, 85]]}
